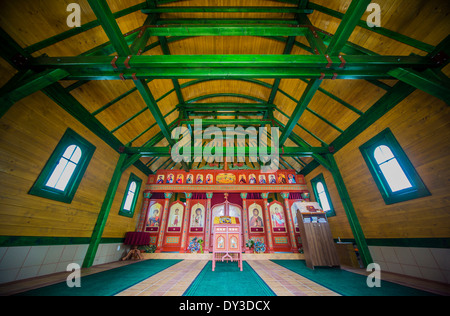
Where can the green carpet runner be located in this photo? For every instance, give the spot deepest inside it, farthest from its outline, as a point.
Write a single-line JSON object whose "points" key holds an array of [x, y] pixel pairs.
{"points": [[106, 283], [348, 283], [228, 280]]}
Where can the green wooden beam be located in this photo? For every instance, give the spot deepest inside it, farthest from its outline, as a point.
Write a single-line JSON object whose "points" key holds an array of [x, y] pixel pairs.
{"points": [[433, 81], [231, 66], [219, 113], [380, 30], [228, 30], [112, 30], [229, 9], [152, 151], [317, 62], [224, 21], [287, 50], [225, 106], [103, 214], [229, 122], [350, 212], [16, 90], [141, 40], [176, 84], [109, 25], [387, 102], [83, 28], [347, 25], [306, 97]]}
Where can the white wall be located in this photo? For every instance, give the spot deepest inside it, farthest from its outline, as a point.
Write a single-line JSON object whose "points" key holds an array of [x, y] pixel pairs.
{"points": [[17, 263], [424, 263]]}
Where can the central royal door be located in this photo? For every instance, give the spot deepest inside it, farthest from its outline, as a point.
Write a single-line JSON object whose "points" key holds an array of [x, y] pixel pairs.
{"points": [[226, 209]]}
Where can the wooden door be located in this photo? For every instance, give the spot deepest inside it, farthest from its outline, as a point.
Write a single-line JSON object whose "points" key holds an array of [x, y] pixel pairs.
{"points": [[226, 209]]}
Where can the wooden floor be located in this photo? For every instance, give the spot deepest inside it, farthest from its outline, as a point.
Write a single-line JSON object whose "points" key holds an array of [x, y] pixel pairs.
{"points": [[174, 280]]}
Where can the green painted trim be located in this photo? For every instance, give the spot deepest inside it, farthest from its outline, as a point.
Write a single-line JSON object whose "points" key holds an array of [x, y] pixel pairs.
{"points": [[314, 181], [387, 138], [69, 138], [20, 241], [138, 181], [24, 241]]}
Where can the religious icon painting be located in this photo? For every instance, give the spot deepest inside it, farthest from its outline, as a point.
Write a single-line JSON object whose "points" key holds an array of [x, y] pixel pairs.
{"points": [[209, 179], [262, 179], [170, 177], [296, 206], [180, 179], [197, 218], [256, 221], [190, 178], [234, 244], [242, 179], [154, 216], [277, 218], [272, 179], [252, 179], [220, 242], [199, 179], [175, 217], [160, 179], [291, 178], [281, 178]]}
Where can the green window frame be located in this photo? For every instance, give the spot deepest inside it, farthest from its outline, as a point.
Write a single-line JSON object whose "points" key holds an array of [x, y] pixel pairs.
{"points": [[131, 196], [322, 195], [394, 174], [62, 174]]}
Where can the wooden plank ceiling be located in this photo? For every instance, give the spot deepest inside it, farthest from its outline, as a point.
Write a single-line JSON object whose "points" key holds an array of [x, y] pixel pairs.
{"points": [[407, 28]]}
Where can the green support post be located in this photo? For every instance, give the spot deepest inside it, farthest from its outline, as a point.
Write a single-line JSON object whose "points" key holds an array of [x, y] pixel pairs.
{"points": [[103, 214], [350, 212]]}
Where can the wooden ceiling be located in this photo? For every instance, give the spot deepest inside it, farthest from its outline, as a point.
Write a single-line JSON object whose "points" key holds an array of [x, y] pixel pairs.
{"points": [[118, 111]]}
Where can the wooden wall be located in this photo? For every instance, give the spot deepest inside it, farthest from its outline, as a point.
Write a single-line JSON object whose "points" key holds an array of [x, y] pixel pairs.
{"points": [[421, 124], [29, 132]]}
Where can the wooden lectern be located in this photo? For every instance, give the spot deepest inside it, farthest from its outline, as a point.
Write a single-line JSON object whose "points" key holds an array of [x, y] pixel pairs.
{"points": [[318, 243]]}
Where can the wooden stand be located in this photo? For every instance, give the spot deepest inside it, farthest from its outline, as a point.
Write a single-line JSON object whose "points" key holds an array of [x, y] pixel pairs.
{"points": [[227, 243], [317, 241]]}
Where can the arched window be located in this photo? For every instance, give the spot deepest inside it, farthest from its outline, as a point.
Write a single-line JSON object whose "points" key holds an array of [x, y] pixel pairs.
{"points": [[130, 197], [64, 170], [391, 169], [394, 174], [322, 196]]}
